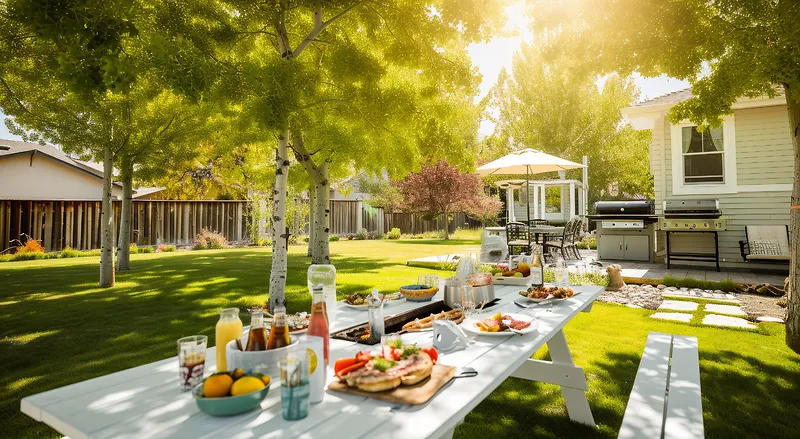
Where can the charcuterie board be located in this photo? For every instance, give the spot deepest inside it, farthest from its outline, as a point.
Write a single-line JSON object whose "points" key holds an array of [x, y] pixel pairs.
{"points": [[419, 393]]}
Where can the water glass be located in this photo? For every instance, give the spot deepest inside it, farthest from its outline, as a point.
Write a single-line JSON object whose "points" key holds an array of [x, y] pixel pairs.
{"points": [[468, 303], [295, 388], [191, 360]]}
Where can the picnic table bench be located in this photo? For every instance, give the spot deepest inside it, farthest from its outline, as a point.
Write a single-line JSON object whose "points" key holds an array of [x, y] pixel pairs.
{"points": [[145, 401], [665, 401]]}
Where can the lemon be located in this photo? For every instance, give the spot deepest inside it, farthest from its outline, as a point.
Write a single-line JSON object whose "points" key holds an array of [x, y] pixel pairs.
{"points": [[312, 361], [217, 385], [266, 380], [518, 274], [247, 384], [237, 373]]}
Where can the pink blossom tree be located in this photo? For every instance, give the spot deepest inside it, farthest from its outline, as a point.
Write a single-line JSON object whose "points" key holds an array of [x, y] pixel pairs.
{"points": [[440, 189]]}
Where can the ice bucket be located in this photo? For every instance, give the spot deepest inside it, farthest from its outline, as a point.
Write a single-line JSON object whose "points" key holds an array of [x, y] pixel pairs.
{"points": [[265, 362]]}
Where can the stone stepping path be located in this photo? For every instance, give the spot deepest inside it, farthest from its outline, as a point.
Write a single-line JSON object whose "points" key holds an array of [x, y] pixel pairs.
{"points": [[700, 294], [730, 310], [678, 305], [675, 316], [768, 319], [727, 321]]}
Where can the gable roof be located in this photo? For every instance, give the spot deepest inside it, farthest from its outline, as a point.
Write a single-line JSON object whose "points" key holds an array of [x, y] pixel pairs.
{"points": [[675, 97], [11, 148]]}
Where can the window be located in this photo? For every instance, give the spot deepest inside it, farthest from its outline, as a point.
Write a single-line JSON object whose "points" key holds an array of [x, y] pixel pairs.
{"points": [[703, 155]]}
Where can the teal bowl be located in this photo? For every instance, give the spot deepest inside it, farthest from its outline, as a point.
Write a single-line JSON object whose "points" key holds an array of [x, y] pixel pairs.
{"points": [[228, 405]]}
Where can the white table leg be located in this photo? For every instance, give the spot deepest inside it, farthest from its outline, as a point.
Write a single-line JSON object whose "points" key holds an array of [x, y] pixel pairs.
{"points": [[449, 433], [563, 372]]}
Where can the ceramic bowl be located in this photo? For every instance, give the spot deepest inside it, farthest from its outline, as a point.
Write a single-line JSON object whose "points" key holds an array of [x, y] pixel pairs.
{"points": [[228, 405], [263, 362]]}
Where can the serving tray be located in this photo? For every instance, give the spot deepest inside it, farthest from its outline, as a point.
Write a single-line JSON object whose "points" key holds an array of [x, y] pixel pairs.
{"points": [[419, 393]]}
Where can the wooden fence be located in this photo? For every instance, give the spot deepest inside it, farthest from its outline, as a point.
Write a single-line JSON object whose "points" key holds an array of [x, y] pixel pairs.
{"points": [[344, 219], [76, 224]]}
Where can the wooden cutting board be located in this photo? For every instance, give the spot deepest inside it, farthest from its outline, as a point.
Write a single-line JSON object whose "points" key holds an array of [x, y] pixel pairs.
{"points": [[419, 393]]}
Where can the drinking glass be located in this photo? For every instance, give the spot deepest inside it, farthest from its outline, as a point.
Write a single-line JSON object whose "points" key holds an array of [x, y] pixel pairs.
{"points": [[192, 360], [468, 304], [295, 388]]}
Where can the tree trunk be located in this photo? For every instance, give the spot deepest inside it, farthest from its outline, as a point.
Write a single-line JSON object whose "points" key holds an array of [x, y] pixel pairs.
{"points": [[311, 207], [123, 243], [446, 225], [321, 253], [277, 277], [793, 306], [107, 222]]}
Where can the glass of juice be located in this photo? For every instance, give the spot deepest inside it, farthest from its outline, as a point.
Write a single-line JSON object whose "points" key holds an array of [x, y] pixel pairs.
{"points": [[192, 360], [229, 327]]}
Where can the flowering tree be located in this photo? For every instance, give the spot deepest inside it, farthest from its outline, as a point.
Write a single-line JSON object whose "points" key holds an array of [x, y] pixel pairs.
{"points": [[442, 189]]}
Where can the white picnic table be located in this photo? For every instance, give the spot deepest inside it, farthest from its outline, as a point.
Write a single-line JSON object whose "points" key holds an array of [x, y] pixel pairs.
{"points": [[145, 401]]}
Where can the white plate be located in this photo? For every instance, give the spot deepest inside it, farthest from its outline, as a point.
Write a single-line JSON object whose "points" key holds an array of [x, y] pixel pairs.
{"points": [[565, 298], [366, 307], [530, 299], [469, 325]]}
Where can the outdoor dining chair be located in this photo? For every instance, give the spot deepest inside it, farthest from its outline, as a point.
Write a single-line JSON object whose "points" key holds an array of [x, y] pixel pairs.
{"points": [[518, 237], [567, 244]]}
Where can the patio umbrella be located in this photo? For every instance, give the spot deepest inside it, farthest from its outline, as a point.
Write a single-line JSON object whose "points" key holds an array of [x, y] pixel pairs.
{"points": [[527, 161]]}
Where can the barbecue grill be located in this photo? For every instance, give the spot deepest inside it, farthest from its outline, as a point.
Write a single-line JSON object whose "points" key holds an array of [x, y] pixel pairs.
{"points": [[692, 216], [625, 229]]}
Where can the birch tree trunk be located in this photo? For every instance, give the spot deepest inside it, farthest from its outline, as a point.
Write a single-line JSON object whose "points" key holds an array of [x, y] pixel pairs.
{"points": [[107, 222], [793, 307], [123, 243], [321, 253], [311, 215], [277, 276]]}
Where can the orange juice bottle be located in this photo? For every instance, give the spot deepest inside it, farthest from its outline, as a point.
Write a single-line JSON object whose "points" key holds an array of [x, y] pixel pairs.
{"points": [[229, 327]]}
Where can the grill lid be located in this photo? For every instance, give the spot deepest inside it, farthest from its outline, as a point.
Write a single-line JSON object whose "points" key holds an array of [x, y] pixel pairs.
{"points": [[691, 208], [635, 207]]}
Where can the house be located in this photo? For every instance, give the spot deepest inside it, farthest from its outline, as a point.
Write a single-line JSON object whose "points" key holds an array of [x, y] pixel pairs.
{"points": [[30, 171], [747, 164]]}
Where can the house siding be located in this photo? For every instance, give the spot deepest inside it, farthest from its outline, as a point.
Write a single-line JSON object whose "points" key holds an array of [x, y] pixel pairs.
{"points": [[763, 157]]}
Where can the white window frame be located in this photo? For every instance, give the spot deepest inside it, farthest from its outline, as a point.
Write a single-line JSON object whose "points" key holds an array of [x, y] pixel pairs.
{"points": [[728, 185]]}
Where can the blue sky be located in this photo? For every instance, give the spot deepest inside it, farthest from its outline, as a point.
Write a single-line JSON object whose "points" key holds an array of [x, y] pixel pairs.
{"points": [[492, 56]]}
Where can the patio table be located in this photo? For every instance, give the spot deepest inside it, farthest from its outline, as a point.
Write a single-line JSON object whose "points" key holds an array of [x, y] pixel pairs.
{"points": [[145, 401], [544, 232]]}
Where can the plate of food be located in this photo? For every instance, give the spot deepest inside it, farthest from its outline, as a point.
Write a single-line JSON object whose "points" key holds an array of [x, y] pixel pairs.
{"points": [[500, 325], [560, 293], [542, 293], [389, 373], [517, 276], [359, 300], [455, 315]]}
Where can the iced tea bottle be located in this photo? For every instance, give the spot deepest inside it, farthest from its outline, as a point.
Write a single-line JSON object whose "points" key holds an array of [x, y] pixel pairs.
{"points": [[257, 338], [319, 318], [279, 332]]}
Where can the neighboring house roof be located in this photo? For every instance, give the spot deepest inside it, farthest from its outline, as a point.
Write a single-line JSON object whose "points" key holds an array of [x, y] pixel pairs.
{"points": [[11, 148], [669, 98], [144, 191]]}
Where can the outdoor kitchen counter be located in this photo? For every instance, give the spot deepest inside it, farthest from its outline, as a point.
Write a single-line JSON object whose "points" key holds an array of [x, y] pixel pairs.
{"points": [[146, 402]]}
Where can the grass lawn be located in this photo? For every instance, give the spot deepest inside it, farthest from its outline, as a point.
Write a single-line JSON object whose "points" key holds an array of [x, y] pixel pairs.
{"points": [[59, 328]]}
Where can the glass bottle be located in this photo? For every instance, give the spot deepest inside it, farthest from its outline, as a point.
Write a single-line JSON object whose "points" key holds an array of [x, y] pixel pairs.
{"points": [[325, 275], [319, 319], [537, 267], [375, 308], [257, 338], [560, 270], [229, 327], [279, 331]]}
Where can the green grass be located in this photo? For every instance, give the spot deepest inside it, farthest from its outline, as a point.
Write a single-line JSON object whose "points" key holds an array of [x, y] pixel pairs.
{"points": [[59, 328]]}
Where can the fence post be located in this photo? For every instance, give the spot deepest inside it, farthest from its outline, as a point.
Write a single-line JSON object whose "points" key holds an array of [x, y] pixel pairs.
{"points": [[359, 215]]}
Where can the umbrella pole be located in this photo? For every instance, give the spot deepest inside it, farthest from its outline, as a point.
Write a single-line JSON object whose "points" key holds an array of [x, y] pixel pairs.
{"points": [[528, 191]]}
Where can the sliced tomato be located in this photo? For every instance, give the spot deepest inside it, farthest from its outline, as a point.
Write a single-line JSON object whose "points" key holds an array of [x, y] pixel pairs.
{"points": [[349, 369], [343, 363], [431, 351], [363, 356], [397, 354]]}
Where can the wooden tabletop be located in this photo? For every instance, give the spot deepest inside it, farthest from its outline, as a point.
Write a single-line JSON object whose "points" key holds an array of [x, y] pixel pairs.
{"points": [[145, 401]]}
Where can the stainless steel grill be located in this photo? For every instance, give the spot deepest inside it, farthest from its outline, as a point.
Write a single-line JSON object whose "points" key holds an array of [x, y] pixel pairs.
{"points": [[687, 216], [625, 230]]}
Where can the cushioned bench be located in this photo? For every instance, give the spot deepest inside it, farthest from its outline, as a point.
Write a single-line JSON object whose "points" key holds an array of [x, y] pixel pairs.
{"points": [[765, 244], [665, 401]]}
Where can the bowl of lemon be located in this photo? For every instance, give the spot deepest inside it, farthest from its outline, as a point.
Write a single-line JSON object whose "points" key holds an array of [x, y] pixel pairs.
{"points": [[231, 393]]}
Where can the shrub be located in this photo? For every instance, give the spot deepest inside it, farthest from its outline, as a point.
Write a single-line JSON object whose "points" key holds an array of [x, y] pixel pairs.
{"points": [[133, 249], [146, 250], [209, 240], [263, 242], [350, 236], [6, 258], [375, 235], [588, 243], [31, 246], [28, 256], [166, 248], [361, 235], [728, 285], [393, 234], [333, 238], [69, 252]]}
